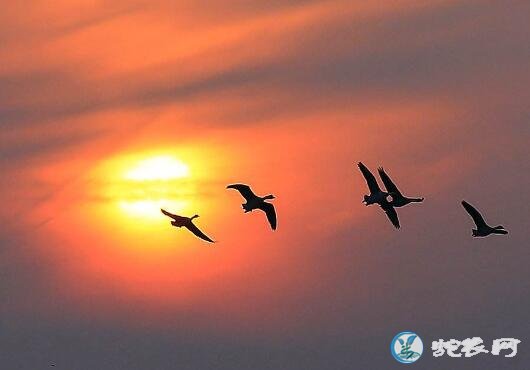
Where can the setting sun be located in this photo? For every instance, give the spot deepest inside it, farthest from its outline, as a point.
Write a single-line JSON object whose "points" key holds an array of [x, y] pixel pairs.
{"points": [[137, 184], [158, 168], [149, 182]]}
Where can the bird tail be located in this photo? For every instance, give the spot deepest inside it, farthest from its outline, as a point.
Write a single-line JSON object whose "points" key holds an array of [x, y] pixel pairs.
{"points": [[418, 200], [500, 230]]}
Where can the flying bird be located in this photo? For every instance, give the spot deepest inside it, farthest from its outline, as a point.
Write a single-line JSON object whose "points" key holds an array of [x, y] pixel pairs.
{"points": [[398, 199], [483, 229], [256, 202], [377, 196], [180, 221]]}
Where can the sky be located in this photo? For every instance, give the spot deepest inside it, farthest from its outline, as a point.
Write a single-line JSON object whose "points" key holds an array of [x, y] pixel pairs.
{"points": [[110, 111]]}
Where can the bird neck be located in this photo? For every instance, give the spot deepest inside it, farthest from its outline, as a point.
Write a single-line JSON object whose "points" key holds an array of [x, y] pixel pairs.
{"points": [[270, 196], [194, 216]]}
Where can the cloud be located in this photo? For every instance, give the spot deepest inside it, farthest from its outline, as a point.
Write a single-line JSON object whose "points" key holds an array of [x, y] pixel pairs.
{"points": [[340, 56]]}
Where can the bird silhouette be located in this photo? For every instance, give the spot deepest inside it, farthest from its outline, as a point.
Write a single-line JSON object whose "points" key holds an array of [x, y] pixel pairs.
{"points": [[377, 196], [483, 229], [398, 199], [256, 202], [180, 221]]}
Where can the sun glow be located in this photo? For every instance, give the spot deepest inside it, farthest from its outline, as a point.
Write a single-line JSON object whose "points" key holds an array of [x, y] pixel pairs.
{"points": [[158, 168], [151, 208], [135, 186], [125, 193], [153, 183]]}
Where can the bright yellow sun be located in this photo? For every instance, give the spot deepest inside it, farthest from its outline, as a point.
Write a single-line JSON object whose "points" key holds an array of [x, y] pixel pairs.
{"points": [[137, 185], [127, 191], [158, 168], [152, 184]]}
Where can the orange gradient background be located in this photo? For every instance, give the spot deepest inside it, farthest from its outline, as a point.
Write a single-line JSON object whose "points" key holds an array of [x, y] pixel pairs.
{"points": [[286, 96]]}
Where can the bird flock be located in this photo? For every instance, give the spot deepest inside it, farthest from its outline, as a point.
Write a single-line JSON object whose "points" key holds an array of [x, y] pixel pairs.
{"points": [[387, 200], [252, 202]]}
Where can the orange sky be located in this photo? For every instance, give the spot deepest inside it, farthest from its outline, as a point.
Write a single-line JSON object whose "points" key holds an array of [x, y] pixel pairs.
{"points": [[286, 96]]}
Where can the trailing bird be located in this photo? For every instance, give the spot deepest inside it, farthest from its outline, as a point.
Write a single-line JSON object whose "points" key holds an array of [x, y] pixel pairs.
{"points": [[255, 202], [483, 229], [187, 222], [377, 196], [398, 199]]}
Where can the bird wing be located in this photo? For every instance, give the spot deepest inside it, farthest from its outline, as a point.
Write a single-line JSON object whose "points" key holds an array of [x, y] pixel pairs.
{"points": [[391, 214], [244, 190], [477, 217], [174, 217], [370, 179], [270, 212], [195, 230], [389, 185]]}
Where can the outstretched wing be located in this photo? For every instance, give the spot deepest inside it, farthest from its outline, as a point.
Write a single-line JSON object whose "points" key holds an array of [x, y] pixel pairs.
{"points": [[392, 215], [195, 230], [370, 179], [174, 217], [477, 217], [389, 185], [245, 190], [270, 212]]}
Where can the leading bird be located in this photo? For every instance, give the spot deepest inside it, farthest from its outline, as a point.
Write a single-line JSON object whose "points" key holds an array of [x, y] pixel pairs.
{"points": [[483, 229], [256, 202], [180, 221]]}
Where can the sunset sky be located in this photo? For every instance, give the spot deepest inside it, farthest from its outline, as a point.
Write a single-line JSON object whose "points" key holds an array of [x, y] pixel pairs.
{"points": [[111, 110]]}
